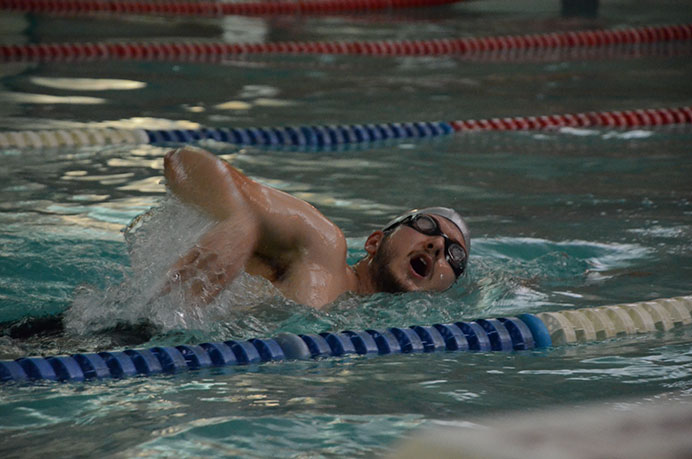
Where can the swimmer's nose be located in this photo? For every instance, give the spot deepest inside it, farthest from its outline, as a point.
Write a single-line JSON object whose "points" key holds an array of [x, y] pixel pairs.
{"points": [[435, 246]]}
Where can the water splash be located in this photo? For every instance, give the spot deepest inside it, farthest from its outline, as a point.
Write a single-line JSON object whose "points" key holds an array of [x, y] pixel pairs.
{"points": [[155, 241]]}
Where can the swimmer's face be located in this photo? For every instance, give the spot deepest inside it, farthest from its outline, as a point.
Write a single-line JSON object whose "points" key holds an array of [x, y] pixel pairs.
{"points": [[408, 260]]}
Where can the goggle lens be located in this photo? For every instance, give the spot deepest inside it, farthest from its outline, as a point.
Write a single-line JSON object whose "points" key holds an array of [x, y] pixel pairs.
{"points": [[454, 252]]}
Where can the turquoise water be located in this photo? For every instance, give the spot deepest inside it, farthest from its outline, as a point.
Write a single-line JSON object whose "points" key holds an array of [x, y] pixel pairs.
{"points": [[566, 219]]}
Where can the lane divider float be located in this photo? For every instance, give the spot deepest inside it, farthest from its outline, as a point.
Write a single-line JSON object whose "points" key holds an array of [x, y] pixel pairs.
{"points": [[211, 8], [335, 136], [523, 332], [216, 51], [604, 322]]}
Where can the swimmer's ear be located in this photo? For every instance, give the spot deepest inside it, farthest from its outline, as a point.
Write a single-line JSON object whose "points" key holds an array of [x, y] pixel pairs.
{"points": [[373, 242]]}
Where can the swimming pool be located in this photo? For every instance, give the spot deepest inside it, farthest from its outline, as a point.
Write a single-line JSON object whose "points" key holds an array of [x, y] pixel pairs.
{"points": [[560, 219]]}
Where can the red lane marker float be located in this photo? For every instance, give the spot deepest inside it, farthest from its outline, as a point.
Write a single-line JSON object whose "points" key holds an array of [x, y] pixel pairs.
{"points": [[211, 8], [620, 119], [211, 51]]}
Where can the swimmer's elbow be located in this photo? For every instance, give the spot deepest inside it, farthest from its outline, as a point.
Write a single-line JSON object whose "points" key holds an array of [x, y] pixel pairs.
{"points": [[173, 168]]}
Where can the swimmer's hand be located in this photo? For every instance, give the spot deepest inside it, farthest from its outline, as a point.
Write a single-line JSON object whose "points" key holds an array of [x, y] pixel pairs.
{"points": [[213, 263]]}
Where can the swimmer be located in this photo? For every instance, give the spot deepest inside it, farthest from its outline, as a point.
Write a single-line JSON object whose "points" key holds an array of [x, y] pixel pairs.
{"points": [[269, 233]]}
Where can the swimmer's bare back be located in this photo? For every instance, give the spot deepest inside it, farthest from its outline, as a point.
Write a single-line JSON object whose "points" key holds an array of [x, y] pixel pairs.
{"points": [[259, 229]]}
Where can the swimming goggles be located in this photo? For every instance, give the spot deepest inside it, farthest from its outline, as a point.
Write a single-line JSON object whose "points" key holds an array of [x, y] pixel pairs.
{"points": [[425, 224]]}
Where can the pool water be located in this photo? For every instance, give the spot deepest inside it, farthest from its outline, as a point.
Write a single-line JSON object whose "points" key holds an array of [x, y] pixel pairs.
{"points": [[560, 220]]}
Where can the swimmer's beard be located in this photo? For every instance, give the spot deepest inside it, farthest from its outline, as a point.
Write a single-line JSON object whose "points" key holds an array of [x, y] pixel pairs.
{"points": [[381, 272]]}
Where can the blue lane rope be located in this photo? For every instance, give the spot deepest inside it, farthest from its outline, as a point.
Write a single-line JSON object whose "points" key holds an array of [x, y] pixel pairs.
{"points": [[504, 334], [304, 136], [322, 136], [524, 332]]}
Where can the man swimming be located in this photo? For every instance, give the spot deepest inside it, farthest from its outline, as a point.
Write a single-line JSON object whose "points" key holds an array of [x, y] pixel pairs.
{"points": [[272, 234]]}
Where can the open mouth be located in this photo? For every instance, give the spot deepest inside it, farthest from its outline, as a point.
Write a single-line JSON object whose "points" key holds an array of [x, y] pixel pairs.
{"points": [[420, 265]]}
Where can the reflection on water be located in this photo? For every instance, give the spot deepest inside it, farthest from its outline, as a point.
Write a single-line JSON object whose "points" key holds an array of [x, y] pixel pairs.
{"points": [[88, 84], [29, 98]]}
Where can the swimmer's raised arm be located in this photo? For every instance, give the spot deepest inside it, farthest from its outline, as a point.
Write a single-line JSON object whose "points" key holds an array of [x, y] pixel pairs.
{"points": [[283, 221], [268, 232]]}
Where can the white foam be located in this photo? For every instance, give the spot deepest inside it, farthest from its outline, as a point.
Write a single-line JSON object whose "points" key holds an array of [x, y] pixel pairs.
{"points": [[578, 131], [155, 241], [628, 135]]}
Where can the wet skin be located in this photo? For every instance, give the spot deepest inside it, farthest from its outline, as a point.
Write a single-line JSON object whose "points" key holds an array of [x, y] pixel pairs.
{"points": [[272, 234]]}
